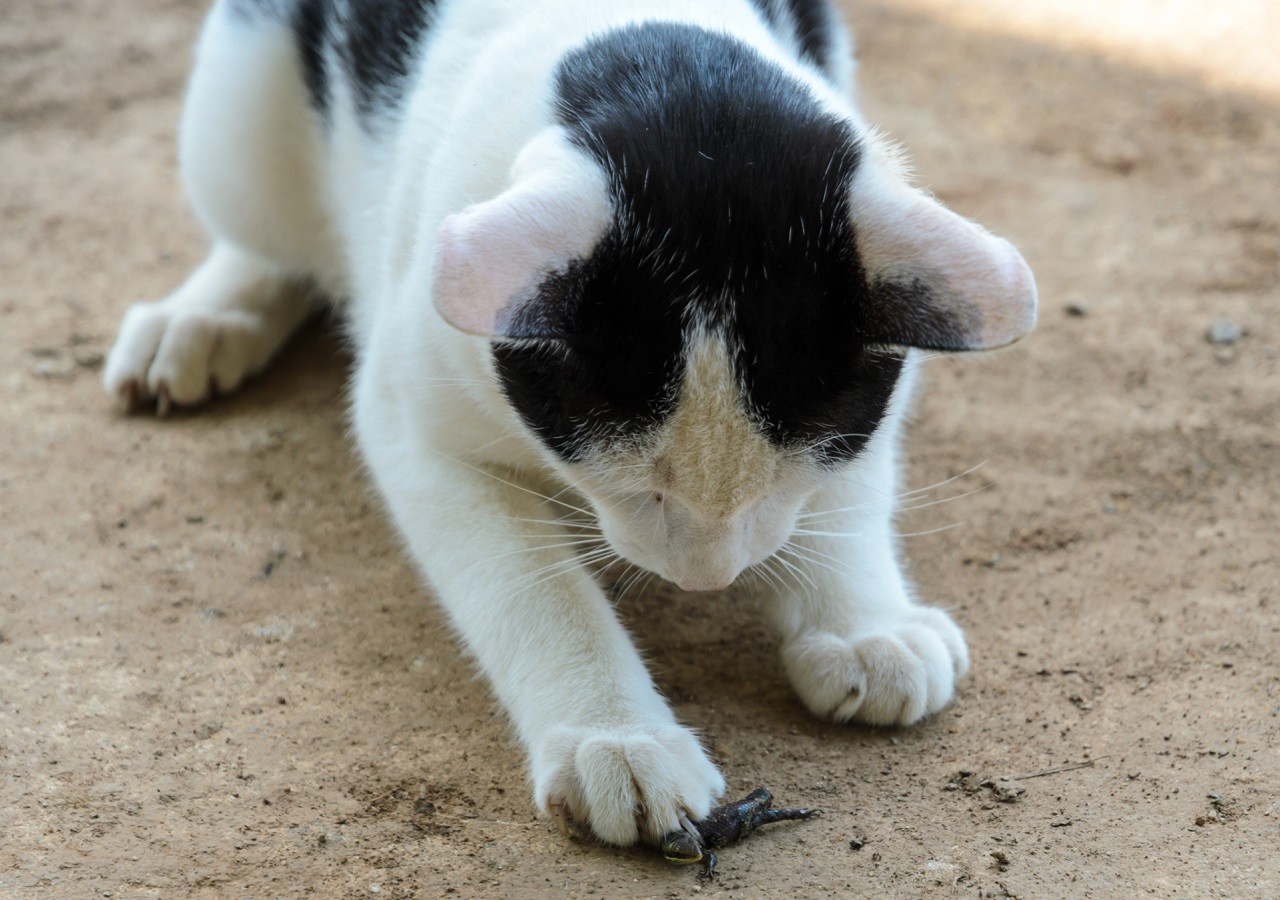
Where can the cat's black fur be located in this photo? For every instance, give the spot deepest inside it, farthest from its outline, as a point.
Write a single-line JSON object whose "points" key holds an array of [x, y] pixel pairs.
{"points": [[379, 41], [731, 186], [311, 23], [813, 23], [375, 41]]}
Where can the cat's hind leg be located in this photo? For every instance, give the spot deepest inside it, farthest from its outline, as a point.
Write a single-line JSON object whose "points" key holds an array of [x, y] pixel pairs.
{"points": [[251, 148], [225, 323]]}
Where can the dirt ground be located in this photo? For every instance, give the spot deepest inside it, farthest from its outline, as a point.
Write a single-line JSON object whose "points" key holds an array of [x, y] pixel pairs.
{"points": [[219, 675]]}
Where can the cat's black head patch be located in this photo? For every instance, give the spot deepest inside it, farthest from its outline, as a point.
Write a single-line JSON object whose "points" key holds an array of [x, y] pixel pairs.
{"points": [[730, 182]]}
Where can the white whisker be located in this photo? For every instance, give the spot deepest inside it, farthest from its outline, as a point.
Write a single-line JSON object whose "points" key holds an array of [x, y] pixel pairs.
{"points": [[933, 530], [945, 481]]}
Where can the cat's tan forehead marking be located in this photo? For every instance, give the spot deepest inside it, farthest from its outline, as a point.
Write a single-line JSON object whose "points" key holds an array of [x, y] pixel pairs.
{"points": [[715, 457]]}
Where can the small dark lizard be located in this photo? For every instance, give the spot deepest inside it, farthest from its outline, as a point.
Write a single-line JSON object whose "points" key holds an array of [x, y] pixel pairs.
{"points": [[698, 841]]}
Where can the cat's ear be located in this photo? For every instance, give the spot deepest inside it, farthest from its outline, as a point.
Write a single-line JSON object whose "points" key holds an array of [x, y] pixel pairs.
{"points": [[937, 281], [492, 257]]}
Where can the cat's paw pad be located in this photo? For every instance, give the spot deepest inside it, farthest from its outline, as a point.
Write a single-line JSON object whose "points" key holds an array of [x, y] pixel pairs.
{"points": [[181, 356], [893, 674], [625, 784]]}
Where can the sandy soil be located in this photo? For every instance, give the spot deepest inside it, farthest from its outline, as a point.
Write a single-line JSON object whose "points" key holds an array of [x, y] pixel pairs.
{"points": [[220, 677]]}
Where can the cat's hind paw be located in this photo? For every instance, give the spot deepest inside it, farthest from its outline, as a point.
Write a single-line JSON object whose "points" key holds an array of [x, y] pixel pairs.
{"points": [[625, 784], [224, 324], [183, 357], [893, 674]]}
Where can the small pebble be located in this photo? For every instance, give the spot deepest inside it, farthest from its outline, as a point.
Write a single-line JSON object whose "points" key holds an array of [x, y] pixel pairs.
{"points": [[1223, 332], [87, 358], [1076, 310]]}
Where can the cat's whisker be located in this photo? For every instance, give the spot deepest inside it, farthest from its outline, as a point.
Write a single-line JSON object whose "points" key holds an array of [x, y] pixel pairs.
{"points": [[785, 571], [775, 579], [817, 563], [512, 484], [857, 507], [799, 573], [820, 559], [563, 567], [808, 518], [648, 582], [547, 548], [943, 482], [609, 468], [446, 379], [569, 522], [805, 449], [760, 572], [634, 581], [941, 500], [841, 534], [922, 490], [938, 530], [561, 522], [814, 550], [619, 589]]}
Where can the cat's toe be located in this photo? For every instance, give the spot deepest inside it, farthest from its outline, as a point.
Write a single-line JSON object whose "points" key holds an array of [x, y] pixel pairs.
{"points": [[625, 784], [894, 674], [125, 373], [181, 357]]}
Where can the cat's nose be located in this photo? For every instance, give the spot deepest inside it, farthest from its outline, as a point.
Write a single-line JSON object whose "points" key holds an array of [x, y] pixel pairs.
{"points": [[705, 556], [703, 584]]}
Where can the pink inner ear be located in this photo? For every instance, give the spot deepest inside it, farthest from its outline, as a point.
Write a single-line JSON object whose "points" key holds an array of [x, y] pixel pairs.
{"points": [[905, 234], [462, 292], [1010, 313], [491, 256], [485, 264]]}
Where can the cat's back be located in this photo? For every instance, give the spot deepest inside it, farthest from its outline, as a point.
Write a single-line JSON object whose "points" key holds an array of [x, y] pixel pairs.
{"points": [[371, 56], [419, 108]]}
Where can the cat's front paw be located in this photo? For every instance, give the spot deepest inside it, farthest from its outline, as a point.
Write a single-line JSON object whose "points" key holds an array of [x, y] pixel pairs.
{"points": [[625, 784], [894, 673]]}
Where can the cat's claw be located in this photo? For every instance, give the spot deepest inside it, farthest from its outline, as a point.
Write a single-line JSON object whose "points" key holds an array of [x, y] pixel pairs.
{"points": [[624, 784], [127, 396], [560, 812], [893, 674], [163, 402]]}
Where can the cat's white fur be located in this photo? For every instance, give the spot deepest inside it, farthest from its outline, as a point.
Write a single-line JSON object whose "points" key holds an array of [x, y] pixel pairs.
{"points": [[392, 219]]}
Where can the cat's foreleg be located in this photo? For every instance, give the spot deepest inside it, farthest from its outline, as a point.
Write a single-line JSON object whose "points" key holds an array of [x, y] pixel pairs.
{"points": [[854, 643], [603, 745]]}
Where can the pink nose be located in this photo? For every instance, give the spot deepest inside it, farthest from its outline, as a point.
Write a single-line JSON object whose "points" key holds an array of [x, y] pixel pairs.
{"points": [[703, 585]]}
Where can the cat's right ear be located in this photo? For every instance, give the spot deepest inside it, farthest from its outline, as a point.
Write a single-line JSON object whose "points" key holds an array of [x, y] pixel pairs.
{"points": [[935, 280], [492, 257]]}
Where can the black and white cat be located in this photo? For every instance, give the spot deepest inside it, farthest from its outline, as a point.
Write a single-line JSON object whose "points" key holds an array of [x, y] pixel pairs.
{"points": [[625, 279]]}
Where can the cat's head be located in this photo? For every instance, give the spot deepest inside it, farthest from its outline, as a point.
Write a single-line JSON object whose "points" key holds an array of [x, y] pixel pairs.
{"points": [[701, 287]]}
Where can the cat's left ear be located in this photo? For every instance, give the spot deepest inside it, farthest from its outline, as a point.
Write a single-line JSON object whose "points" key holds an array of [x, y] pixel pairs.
{"points": [[492, 257], [936, 280]]}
